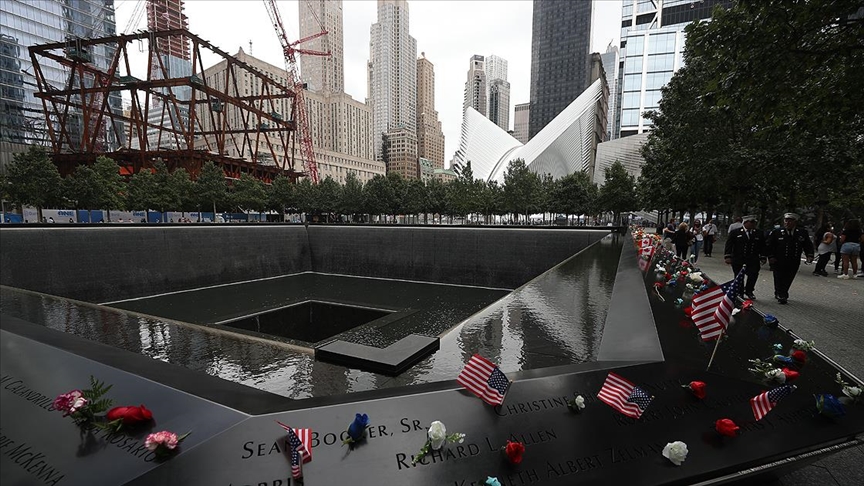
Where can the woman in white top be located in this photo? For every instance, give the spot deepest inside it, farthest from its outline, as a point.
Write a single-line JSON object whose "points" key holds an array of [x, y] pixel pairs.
{"points": [[827, 246]]}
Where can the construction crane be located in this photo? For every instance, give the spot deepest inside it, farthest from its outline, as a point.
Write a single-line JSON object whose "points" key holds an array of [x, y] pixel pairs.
{"points": [[290, 50]]}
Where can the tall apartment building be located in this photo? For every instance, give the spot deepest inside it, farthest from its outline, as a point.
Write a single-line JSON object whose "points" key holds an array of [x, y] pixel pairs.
{"points": [[430, 137], [652, 42], [25, 23], [174, 61], [520, 122], [475, 86], [323, 73], [341, 127], [560, 58], [498, 89], [393, 79]]}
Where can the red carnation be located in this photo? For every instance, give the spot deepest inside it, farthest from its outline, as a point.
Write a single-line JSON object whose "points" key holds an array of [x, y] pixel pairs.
{"points": [[747, 304], [790, 374], [726, 427], [130, 415], [688, 310], [514, 451], [698, 389], [659, 285], [799, 356]]}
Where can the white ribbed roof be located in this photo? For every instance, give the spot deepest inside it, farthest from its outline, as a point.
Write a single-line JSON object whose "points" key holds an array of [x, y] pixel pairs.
{"points": [[561, 148]]}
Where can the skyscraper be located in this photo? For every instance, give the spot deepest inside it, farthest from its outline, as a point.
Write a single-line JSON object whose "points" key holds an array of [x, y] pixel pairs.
{"points": [[323, 73], [173, 61], [24, 23], [393, 79], [610, 65], [430, 138], [498, 90], [560, 58], [475, 86], [652, 42], [520, 122]]}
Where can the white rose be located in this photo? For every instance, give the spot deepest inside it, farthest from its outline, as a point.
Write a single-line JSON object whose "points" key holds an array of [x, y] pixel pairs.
{"points": [[852, 391], [776, 374], [735, 311], [696, 277], [675, 452], [580, 402], [437, 434]]}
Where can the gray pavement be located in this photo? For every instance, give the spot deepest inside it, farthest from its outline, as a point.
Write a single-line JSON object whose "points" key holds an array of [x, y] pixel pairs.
{"points": [[830, 312]]}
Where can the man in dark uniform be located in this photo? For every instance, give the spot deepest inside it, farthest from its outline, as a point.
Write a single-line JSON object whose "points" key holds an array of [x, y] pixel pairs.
{"points": [[783, 248], [746, 246]]}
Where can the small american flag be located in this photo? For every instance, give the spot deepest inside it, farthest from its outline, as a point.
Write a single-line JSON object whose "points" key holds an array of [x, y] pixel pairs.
{"points": [[712, 309], [624, 396], [484, 379], [300, 442], [765, 401]]}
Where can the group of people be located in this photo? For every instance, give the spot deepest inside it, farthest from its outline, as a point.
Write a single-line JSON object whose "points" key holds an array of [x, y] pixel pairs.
{"points": [[748, 248], [844, 244]]}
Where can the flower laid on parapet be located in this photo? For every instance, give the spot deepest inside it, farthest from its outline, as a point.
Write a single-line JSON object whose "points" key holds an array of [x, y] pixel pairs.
{"points": [[357, 429], [164, 443], [514, 451], [853, 392], [790, 374], [747, 304], [726, 427], [827, 405], [490, 481], [767, 371], [778, 348], [771, 321], [799, 356], [129, 416], [436, 437], [675, 452], [803, 345], [576, 404], [85, 406], [697, 388], [779, 358]]}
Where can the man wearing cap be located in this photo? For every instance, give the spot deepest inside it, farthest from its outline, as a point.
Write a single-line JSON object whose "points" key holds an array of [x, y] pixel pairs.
{"points": [[784, 248], [746, 246]]}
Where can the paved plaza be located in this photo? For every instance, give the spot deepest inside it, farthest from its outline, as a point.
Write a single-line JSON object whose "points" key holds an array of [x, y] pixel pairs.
{"points": [[829, 311]]}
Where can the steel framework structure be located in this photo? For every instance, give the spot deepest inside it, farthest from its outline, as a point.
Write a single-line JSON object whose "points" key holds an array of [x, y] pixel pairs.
{"points": [[259, 133]]}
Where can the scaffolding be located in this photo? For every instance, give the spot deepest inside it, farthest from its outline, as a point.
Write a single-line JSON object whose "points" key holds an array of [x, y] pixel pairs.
{"points": [[262, 139]]}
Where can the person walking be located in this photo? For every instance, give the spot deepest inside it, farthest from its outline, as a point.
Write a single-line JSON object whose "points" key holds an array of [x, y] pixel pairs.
{"points": [[746, 246], [825, 241], [696, 238], [783, 249], [710, 232], [737, 224], [681, 239], [850, 247], [837, 259]]}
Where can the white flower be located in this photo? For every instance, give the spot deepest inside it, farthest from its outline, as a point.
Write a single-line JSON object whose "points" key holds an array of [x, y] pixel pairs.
{"points": [[675, 452], [852, 392], [775, 374], [803, 345], [580, 402], [661, 269], [696, 277], [735, 311], [437, 435]]}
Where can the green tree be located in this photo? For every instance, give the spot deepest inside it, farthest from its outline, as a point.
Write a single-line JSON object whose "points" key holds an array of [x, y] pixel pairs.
{"points": [[521, 189], [165, 193], [283, 194], [397, 193], [416, 198], [97, 186], [182, 189], [329, 196], [141, 191], [33, 180], [437, 197], [249, 194], [210, 187], [377, 195], [352, 196], [618, 192], [576, 194]]}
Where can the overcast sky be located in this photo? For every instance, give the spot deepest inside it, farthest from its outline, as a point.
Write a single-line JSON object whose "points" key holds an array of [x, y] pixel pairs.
{"points": [[449, 32]]}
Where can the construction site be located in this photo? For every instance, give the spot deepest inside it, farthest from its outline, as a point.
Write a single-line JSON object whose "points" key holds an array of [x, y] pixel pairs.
{"points": [[180, 113]]}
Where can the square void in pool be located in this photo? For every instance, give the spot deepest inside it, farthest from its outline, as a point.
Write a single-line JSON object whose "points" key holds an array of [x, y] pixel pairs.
{"points": [[309, 321]]}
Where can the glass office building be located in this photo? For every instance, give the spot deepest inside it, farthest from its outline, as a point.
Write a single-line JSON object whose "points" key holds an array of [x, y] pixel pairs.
{"points": [[652, 43], [24, 23]]}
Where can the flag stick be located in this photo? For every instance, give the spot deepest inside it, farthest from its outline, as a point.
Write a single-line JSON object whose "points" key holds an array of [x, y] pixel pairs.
{"points": [[716, 345]]}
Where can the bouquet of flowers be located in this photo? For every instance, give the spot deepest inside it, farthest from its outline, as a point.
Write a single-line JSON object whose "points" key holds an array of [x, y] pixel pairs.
{"points": [[85, 406]]}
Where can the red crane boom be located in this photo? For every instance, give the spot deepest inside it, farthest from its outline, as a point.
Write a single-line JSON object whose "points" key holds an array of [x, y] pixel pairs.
{"points": [[290, 50]]}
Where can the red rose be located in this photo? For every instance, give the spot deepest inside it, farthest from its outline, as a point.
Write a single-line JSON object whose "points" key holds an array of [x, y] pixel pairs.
{"points": [[799, 356], [659, 285], [514, 451], [698, 389], [130, 415], [790, 374], [747, 304], [688, 311], [726, 427]]}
